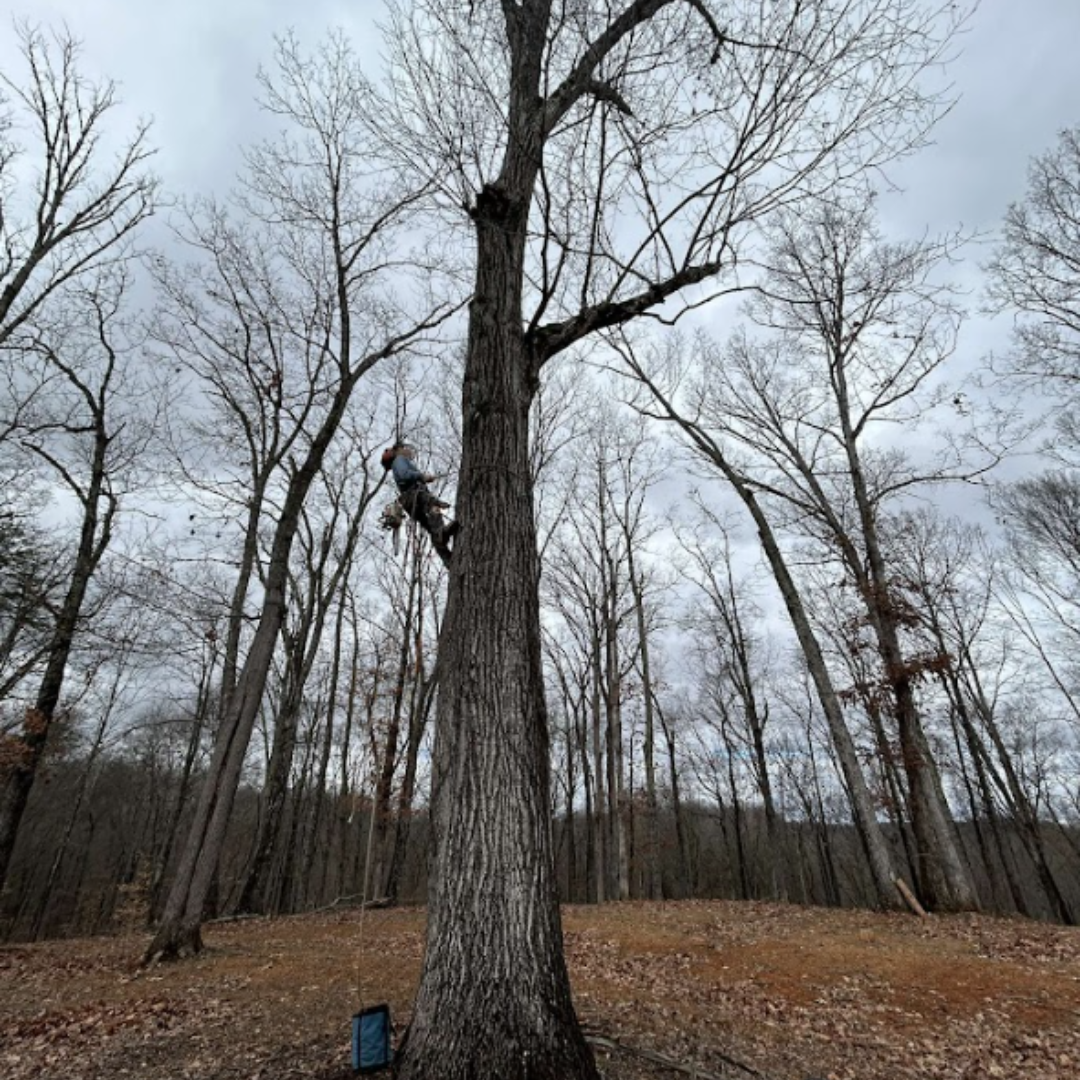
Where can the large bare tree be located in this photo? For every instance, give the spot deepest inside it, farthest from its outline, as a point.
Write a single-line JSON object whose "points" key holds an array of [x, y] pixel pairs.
{"points": [[608, 157], [1036, 268], [694, 425], [69, 215], [287, 314], [860, 331]]}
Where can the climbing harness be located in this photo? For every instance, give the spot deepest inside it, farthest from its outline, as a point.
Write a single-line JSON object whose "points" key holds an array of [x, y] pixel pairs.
{"points": [[394, 515]]}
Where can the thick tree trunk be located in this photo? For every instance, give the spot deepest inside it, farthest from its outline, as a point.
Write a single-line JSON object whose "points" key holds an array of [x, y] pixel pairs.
{"points": [[892, 785], [494, 997], [944, 878]]}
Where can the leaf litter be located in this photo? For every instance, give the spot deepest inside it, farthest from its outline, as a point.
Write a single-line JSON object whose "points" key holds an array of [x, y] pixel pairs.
{"points": [[713, 988]]}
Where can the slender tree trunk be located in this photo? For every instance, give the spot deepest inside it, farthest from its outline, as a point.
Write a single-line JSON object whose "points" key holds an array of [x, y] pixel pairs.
{"points": [[874, 843], [686, 885], [23, 754], [979, 762], [746, 891], [617, 884], [285, 897], [755, 721], [84, 785], [893, 785], [1025, 813], [819, 822], [257, 890], [384, 839], [420, 704], [347, 798], [312, 844], [651, 860], [591, 871], [568, 807], [600, 847], [162, 858], [973, 808]]}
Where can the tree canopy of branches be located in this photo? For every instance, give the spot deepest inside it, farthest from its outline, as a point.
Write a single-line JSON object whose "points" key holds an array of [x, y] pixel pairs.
{"points": [[1035, 272], [69, 214], [80, 212], [282, 320], [607, 159]]}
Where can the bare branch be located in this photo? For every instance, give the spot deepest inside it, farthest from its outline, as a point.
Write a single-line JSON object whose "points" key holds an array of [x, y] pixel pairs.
{"points": [[82, 220]]}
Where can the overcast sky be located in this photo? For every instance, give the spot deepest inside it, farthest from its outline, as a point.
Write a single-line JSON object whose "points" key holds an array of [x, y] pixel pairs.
{"points": [[191, 65]]}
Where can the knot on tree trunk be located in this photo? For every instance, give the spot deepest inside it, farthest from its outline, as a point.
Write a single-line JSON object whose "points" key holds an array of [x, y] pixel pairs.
{"points": [[495, 206]]}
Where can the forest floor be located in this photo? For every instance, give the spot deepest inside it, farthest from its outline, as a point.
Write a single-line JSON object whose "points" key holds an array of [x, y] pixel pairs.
{"points": [[733, 990]]}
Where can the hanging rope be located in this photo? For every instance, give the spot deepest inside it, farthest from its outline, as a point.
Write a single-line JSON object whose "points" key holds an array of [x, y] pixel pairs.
{"points": [[363, 908]]}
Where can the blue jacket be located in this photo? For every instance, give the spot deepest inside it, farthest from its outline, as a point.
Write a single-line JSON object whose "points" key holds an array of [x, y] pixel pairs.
{"points": [[406, 474]]}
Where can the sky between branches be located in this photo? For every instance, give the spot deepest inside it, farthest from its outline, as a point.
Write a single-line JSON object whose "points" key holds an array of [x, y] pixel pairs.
{"points": [[191, 67]]}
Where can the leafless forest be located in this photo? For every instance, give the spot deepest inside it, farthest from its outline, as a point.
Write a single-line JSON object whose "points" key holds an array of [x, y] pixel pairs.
{"points": [[809, 571]]}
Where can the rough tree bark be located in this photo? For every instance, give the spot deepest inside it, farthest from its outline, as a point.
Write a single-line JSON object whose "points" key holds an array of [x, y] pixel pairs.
{"points": [[506, 987]]}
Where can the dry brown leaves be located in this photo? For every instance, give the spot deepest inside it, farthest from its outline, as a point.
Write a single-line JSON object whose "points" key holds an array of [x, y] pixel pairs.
{"points": [[789, 993]]}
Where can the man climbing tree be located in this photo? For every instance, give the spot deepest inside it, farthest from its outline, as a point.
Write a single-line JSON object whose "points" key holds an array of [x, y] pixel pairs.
{"points": [[416, 499], [607, 158]]}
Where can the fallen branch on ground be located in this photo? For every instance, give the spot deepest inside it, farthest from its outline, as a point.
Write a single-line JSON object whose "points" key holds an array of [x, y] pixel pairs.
{"points": [[909, 898]]}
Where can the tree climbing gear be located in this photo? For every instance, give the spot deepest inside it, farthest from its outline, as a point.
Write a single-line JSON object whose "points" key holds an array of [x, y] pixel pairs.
{"points": [[391, 519]]}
